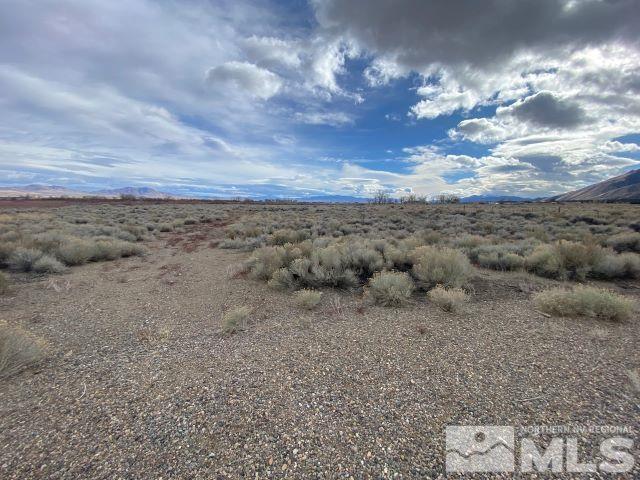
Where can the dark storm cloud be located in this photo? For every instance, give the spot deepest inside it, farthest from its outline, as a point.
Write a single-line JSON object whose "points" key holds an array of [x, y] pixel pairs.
{"points": [[416, 33], [546, 110]]}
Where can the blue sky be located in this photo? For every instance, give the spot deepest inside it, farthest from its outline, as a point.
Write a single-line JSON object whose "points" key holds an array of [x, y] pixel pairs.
{"points": [[261, 98]]}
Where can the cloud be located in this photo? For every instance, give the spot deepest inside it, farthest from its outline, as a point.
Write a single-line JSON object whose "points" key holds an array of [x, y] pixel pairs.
{"points": [[546, 109], [479, 130], [257, 82], [335, 119], [415, 34], [272, 52]]}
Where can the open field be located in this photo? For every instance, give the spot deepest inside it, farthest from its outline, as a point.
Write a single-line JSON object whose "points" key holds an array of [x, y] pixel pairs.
{"points": [[187, 340]]}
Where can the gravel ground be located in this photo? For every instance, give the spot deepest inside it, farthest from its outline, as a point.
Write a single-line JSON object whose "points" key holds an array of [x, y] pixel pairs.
{"points": [[140, 382]]}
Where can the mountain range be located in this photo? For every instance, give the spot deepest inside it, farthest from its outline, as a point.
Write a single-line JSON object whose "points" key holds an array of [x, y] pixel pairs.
{"points": [[623, 188], [55, 191]]}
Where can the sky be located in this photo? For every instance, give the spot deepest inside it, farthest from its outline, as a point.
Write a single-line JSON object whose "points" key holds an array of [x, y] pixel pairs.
{"points": [[295, 98]]}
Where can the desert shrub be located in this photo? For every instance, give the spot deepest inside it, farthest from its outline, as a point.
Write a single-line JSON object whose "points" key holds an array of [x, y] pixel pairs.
{"points": [[280, 237], [105, 250], [18, 349], [49, 241], [6, 250], [23, 259], [469, 241], [390, 288], [307, 298], [448, 299], [4, 283], [265, 261], [623, 265], [282, 279], [584, 301], [565, 259], [440, 266], [235, 320], [625, 242], [328, 266], [137, 232], [190, 221], [48, 264], [362, 259], [498, 257], [128, 249], [76, 252], [165, 227], [245, 244]]}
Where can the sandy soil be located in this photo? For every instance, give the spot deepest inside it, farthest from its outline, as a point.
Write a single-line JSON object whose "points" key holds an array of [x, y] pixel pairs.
{"points": [[141, 383]]}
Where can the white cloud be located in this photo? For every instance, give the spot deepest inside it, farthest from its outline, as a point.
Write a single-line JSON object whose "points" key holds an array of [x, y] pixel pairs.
{"points": [[247, 77], [335, 119]]}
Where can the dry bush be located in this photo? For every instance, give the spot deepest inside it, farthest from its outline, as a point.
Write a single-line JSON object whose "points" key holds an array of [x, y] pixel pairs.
{"points": [[307, 298], [24, 259], [623, 265], [76, 252], [282, 279], [584, 301], [18, 349], [264, 262], [390, 288], [448, 299], [625, 242], [48, 264], [235, 320], [4, 283], [440, 266], [573, 260]]}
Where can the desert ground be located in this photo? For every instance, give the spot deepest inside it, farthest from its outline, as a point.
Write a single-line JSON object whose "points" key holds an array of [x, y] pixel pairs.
{"points": [[167, 340]]}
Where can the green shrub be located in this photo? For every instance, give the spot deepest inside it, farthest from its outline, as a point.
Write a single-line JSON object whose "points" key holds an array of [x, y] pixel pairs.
{"points": [[48, 264], [448, 299], [440, 266], [390, 288], [18, 349], [235, 320], [308, 299], [584, 301], [23, 259]]}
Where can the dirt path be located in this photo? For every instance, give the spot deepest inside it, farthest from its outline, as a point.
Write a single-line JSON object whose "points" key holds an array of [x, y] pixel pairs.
{"points": [[141, 384]]}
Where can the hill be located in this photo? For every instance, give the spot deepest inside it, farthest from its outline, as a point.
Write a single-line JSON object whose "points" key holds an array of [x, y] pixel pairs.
{"points": [[623, 188]]}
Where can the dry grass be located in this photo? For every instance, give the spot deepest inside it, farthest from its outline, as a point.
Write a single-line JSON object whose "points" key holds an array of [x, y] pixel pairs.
{"points": [[18, 349], [584, 301], [235, 320]]}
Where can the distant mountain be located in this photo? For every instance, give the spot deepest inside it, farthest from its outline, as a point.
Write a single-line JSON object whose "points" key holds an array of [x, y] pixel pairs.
{"points": [[41, 191], [494, 198], [54, 191], [623, 188], [140, 192]]}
